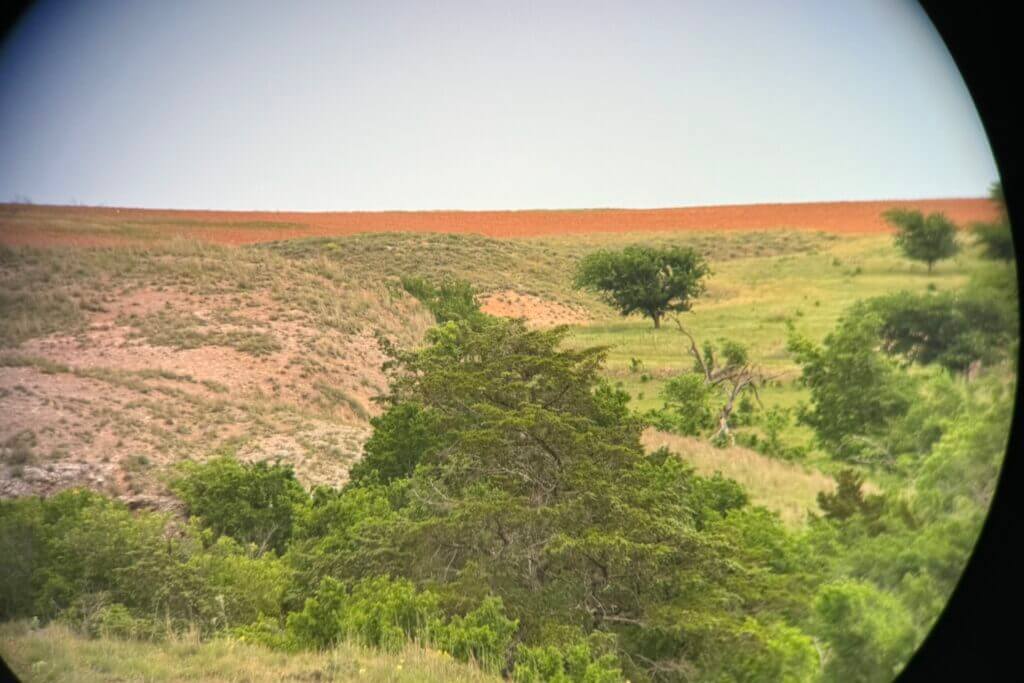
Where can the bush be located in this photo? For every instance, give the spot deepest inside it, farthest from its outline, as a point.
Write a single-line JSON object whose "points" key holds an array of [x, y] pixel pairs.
{"points": [[252, 503], [856, 391], [576, 663], [87, 553], [688, 397], [376, 612], [483, 636], [869, 634], [451, 300]]}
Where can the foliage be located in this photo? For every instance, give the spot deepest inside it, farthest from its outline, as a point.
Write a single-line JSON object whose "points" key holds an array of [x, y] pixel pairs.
{"points": [[644, 280], [928, 238], [376, 612], [484, 635], [541, 495], [996, 237], [252, 503], [453, 299], [848, 498], [575, 663], [688, 397], [855, 391], [868, 633], [401, 438], [88, 559], [951, 329]]}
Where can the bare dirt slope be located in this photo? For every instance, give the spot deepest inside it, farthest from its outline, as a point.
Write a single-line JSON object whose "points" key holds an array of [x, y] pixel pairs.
{"points": [[156, 375], [82, 226]]}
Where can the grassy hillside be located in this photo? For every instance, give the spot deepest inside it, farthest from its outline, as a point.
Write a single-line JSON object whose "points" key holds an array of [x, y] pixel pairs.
{"points": [[119, 361]]}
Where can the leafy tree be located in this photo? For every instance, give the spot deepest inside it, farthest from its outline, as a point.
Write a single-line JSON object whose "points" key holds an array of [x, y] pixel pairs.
{"points": [[401, 439], [869, 633], [923, 238], [645, 280], [955, 330], [541, 495], [252, 503], [855, 391], [996, 237], [688, 396]]}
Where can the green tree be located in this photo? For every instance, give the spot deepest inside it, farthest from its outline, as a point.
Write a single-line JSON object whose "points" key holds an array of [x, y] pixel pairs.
{"points": [[540, 493], [856, 392], [869, 633], [996, 237], [928, 238], [688, 397], [645, 280], [955, 330], [252, 503]]}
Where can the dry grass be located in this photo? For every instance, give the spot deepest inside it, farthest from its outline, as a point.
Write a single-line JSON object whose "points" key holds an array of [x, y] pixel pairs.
{"points": [[785, 488], [55, 653]]}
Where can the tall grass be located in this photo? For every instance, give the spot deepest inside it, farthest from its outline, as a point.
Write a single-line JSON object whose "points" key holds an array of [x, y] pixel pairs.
{"points": [[55, 653], [783, 487]]}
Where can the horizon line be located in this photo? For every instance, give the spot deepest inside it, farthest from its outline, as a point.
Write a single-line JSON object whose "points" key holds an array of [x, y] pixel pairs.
{"points": [[524, 210]]}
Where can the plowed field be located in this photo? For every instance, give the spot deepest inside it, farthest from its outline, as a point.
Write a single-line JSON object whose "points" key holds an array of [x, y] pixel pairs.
{"points": [[83, 226]]}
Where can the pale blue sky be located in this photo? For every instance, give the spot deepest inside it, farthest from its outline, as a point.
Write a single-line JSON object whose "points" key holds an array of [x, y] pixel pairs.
{"points": [[482, 105]]}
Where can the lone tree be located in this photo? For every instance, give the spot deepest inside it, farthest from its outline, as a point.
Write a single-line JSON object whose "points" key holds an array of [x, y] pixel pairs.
{"points": [[996, 238], [928, 238], [645, 280]]}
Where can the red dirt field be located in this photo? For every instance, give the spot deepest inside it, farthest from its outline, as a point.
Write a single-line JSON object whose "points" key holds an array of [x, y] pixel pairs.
{"points": [[40, 225]]}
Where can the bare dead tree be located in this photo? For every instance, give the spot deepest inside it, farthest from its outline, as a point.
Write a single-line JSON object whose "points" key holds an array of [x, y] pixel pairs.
{"points": [[730, 379]]}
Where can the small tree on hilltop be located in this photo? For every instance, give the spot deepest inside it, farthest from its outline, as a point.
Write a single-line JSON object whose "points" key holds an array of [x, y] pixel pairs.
{"points": [[645, 280], [928, 238]]}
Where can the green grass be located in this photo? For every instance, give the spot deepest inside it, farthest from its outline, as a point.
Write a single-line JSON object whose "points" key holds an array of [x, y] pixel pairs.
{"points": [[55, 653]]}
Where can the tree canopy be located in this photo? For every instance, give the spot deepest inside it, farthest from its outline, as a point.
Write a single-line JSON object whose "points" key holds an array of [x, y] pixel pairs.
{"points": [[996, 237], [644, 279], [928, 238], [955, 330], [855, 390]]}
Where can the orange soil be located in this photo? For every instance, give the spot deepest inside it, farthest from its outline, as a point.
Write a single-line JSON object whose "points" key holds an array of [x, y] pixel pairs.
{"points": [[836, 217]]}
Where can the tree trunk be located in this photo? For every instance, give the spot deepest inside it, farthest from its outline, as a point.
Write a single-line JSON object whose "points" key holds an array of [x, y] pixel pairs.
{"points": [[930, 264], [657, 320]]}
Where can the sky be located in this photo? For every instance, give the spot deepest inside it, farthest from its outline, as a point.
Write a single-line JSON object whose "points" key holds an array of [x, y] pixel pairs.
{"points": [[334, 105]]}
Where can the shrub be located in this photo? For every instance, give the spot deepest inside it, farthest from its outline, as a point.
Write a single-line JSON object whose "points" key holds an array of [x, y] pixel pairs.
{"points": [[376, 612], [483, 636], [252, 503], [688, 397], [868, 633], [576, 663]]}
